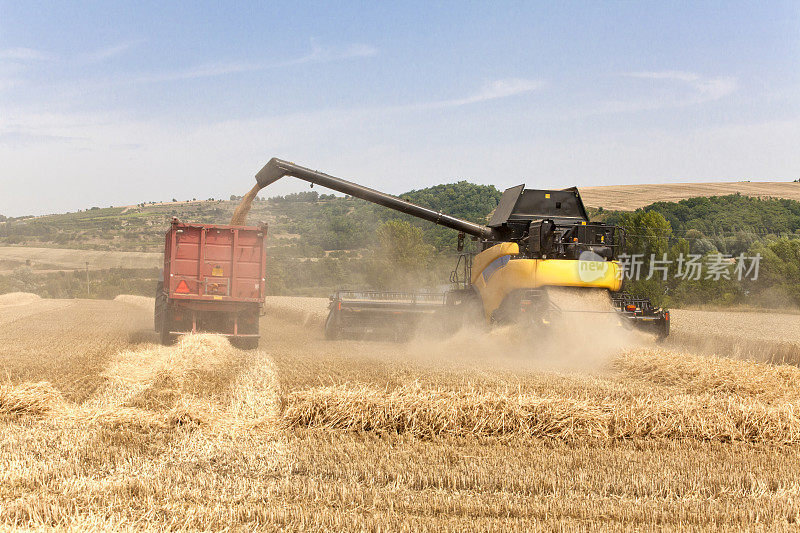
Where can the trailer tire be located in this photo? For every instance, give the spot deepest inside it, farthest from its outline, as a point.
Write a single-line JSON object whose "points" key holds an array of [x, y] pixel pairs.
{"points": [[164, 336], [158, 311], [333, 330], [161, 319]]}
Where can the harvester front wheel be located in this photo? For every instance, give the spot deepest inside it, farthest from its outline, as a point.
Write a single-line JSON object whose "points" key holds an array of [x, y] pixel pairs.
{"points": [[471, 315], [663, 330], [332, 329]]}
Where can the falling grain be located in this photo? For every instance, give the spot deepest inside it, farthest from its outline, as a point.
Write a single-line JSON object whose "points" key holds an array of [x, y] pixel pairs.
{"points": [[239, 217]]}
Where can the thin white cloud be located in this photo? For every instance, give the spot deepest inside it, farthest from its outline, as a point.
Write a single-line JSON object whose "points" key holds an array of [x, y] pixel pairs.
{"points": [[688, 89], [209, 70], [494, 90], [24, 54], [678, 75], [716, 88], [31, 54], [707, 88], [8, 83], [109, 52], [321, 54]]}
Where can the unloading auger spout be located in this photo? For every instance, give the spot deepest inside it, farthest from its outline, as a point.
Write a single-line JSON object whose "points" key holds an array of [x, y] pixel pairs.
{"points": [[277, 168]]}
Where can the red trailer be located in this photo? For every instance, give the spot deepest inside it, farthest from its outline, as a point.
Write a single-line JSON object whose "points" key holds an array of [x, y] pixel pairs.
{"points": [[213, 281]]}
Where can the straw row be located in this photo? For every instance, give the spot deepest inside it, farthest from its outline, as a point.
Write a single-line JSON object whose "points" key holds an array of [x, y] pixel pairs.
{"points": [[441, 413], [708, 374]]}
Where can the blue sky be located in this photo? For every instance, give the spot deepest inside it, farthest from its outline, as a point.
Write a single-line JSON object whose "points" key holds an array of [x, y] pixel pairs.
{"points": [[108, 104]]}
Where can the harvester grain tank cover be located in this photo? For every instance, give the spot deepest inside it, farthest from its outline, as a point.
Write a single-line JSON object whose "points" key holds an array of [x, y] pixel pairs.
{"points": [[519, 203]]}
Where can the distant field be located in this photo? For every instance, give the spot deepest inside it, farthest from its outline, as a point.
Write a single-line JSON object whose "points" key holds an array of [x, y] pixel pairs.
{"points": [[630, 197], [62, 258]]}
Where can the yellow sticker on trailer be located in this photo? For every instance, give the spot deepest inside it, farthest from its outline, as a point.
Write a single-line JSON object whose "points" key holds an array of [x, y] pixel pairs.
{"points": [[218, 297], [216, 271]]}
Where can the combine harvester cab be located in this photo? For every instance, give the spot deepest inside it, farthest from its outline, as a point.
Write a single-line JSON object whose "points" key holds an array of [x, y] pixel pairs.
{"points": [[538, 247], [213, 281]]}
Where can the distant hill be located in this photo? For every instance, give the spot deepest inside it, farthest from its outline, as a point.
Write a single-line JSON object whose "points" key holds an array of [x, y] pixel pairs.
{"points": [[320, 242], [630, 197], [309, 224]]}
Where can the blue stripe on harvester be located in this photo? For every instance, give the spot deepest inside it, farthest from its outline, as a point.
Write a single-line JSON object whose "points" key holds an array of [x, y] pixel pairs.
{"points": [[494, 266]]}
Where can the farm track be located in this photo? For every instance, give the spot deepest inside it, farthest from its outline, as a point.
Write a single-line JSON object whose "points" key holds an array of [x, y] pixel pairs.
{"points": [[309, 434]]}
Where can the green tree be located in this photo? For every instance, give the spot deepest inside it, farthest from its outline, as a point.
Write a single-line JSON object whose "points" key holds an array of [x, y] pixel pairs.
{"points": [[403, 259], [647, 236], [646, 232], [778, 283]]}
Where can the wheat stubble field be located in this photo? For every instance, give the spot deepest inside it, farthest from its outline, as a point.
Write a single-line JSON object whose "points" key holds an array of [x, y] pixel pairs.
{"points": [[102, 429]]}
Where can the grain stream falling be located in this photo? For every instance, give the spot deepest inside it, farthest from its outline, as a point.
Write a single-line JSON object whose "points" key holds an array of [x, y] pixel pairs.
{"points": [[239, 217]]}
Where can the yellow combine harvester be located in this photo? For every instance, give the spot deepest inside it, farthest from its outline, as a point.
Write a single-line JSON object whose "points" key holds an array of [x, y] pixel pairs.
{"points": [[536, 240]]}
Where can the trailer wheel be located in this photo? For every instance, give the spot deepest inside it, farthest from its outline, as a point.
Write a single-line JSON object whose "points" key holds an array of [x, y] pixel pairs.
{"points": [[161, 318], [332, 329], [164, 336], [158, 311]]}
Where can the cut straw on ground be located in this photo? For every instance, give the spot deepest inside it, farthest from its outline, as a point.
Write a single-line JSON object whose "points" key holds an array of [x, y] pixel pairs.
{"points": [[444, 413], [201, 381]]}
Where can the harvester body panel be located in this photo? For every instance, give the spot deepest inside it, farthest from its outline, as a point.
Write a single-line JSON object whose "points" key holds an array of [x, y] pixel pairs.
{"points": [[213, 280], [490, 256], [496, 274]]}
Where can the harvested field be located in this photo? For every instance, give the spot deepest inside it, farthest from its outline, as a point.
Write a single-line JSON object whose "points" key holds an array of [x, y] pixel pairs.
{"points": [[69, 259], [762, 336], [103, 429], [631, 197], [17, 298], [139, 301], [309, 311]]}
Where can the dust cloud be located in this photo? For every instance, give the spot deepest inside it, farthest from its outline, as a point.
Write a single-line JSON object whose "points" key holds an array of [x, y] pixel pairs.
{"points": [[583, 335]]}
